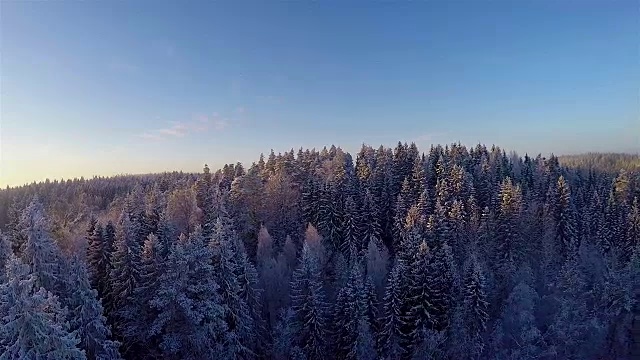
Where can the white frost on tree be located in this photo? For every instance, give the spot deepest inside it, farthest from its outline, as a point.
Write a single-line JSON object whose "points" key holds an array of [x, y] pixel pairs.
{"points": [[308, 300], [33, 325], [190, 320], [86, 316]]}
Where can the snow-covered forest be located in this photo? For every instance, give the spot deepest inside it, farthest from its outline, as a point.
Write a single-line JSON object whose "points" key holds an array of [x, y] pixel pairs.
{"points": [[455, 253]]}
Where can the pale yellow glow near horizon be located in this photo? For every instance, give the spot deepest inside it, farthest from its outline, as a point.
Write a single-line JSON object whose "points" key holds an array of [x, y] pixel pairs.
{"points": [[24, 165], [37, 163]]}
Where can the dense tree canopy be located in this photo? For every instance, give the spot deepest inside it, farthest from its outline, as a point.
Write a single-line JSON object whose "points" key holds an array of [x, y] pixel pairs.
{"points": [[456, 253]]}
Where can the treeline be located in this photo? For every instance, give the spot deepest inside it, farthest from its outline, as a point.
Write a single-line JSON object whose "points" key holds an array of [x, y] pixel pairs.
{"points": [[457, 253], [604, 162]]}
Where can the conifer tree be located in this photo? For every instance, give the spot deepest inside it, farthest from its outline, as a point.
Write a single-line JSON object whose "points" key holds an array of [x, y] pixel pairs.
{"points": [[190, 318], [403, 204], [516, 335], [237, 315], [33, 323], [309, 303], [422, 291], [396, 309], [99, 257], [475, 306], [351, 230], [330, 217], [17, 238], [355, 311], [125, 273], [39, 251], [566, 234], [377, 258], [138, 314], [5, 255], [86, 314], [507, 236], [632, 236]]}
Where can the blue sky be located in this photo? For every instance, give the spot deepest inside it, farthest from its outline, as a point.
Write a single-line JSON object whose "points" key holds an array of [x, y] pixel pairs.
{"points": [[139, 86]]}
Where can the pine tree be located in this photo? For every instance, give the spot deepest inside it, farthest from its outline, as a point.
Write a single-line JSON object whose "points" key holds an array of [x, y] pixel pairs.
{"points": [[205, 198], [507, 236], [632, 238], [39, 251], [355, 311], [87, 320], [138, 314], [99, 257], [516, 335], [475, 306], [91, 229], [418, 178], [311, 197], [330, 217], [237, 313], [377, 258], [274, 276], [575, 333], [16, 237], [364, 347], [251, 293], [422, 289], [125, 273], [5, 255], [308, 302], [190, 317], [351, 230], [442, 269], [33, 324], [404, 203], [430, 345], [284, 336], [458, 239], [393, 336], [566, 233], [167, 236]]}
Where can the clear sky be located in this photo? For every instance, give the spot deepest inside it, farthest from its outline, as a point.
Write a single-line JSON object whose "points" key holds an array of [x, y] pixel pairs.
{"points": [[104, 87]]}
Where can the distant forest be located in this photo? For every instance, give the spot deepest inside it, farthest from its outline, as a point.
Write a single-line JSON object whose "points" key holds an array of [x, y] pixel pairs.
{"points": [[455, 253]]}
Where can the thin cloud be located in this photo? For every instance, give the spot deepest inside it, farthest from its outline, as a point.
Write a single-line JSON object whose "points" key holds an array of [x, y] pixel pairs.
{"points": [[220, 124], [177, 129], [150, 136]]}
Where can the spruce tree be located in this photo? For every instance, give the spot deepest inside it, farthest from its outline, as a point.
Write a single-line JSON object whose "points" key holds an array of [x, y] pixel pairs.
{"points": [[355, 311], [351, 230], [309, 303], [566, 233], [422, 291], [33, 323], [125, 274], [507, 237], [516, 335], [237, 314], [396, 308], [86, 314], [39, 251], [99, 257], [190, 318], [138, 314], [632, 236], [5, 255], [475, 306]]}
